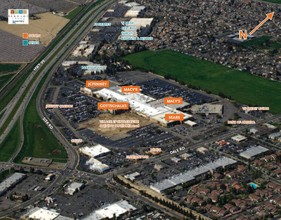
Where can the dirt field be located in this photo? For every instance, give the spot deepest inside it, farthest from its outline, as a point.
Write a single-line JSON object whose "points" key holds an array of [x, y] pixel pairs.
{"points": [[48, 26], [10, 4], [12, 50], [39, 6], [61, 5], [113, 133]]}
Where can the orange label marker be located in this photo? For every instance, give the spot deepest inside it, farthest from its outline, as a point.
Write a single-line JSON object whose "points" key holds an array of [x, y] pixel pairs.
{"points": [[97, 84], [25, 35], [113, 106], [243, 35], [173, 100], [130, 89], [174, 117]]}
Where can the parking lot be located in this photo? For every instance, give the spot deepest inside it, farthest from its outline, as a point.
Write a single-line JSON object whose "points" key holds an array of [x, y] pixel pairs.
{"points": [[150, 175], [83, 202], [32, 185], [84, 107]]}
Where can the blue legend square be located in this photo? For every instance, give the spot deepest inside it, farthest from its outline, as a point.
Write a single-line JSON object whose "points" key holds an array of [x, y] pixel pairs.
{"points": [[25, 43], [20, 11]]}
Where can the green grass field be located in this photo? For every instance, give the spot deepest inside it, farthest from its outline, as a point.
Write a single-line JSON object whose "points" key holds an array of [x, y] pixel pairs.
{"points": [[5, 78], [10, 143], [273, 1], [238, 85], [264, 42], [74, 12], [7, 68], [38, 139]]}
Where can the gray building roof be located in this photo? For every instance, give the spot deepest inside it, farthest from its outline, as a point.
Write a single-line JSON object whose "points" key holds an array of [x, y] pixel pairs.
{"points": [[10, 181], [191, 174], [253, 151]]}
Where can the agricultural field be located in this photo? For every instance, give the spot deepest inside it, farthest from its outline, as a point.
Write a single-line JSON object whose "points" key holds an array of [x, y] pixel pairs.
{"points": [[48, 26], [8, 4], [4, 79], [10, 42], [54, 5], [40, 6], [9, 68], [11, 38], [237, 85]]}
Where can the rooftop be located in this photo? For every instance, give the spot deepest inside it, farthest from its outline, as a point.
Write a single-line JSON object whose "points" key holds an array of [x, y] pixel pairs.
{"points": [[253, 151], [94, 151], [10, 181], [109, 211], [191, 174]]}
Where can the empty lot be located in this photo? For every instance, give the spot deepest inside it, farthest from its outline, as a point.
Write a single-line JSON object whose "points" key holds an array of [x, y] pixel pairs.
{"points": [[12, 50], [114, 133], [48, 26]]}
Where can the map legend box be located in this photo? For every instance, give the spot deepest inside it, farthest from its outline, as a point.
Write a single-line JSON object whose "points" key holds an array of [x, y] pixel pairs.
{"points": [[18, 16]]}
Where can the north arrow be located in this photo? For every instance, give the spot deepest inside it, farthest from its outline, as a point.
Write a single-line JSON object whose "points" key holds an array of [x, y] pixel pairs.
{"points": [[269, 16]]}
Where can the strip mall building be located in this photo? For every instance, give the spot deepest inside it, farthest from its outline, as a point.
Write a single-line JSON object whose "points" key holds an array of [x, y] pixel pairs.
{"points": [[144, 105]]}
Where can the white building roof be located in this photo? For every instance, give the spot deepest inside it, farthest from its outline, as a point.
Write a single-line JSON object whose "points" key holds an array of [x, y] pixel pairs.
{"points": [[115, 94], [238, 138], [43, 214], [96, 165], [190, 123], [123, 1], [270, 126], [142, 104], [68, 63], [132, 176], [94, 151], [160, 102], [134, 11], [131, 4], [108, 211], [111, 94], [63, 218], [167, 110], [140, 22], [75, 185]]}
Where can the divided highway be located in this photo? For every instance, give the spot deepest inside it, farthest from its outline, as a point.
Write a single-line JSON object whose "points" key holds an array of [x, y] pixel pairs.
{"points": [[20, 102]]}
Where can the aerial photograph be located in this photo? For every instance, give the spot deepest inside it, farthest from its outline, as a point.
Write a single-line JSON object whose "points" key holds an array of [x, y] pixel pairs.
{"points": [[140, 109]]}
